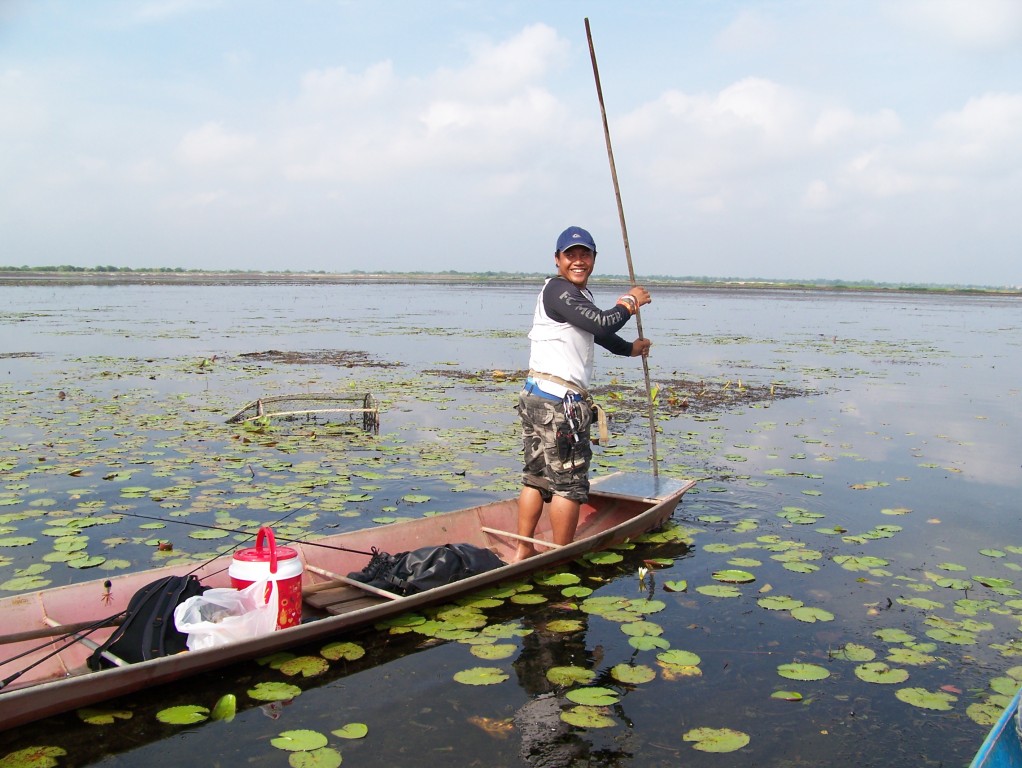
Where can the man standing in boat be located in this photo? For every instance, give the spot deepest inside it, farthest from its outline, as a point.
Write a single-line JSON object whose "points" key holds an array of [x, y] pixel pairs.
{"points": [[555, 405]]}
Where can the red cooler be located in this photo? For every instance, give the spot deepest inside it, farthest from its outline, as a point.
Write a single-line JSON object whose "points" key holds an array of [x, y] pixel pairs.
{"points": [[276, 564]]}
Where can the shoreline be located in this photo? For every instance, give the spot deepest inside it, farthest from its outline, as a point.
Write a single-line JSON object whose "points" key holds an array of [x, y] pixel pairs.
{"points": [[16, 278]]}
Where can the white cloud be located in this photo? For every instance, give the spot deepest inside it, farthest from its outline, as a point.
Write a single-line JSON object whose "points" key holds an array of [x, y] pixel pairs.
{"points": [[974, 24], [376, 125], [837, 124], [750, 30], [211, 144]]}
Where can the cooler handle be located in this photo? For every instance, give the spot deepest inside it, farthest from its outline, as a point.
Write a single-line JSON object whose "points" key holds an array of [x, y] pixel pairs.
{"points": [[267, 533]]}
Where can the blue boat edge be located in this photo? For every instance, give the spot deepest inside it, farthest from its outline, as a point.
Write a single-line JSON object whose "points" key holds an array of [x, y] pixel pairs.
{"points": [[1002, 747]]}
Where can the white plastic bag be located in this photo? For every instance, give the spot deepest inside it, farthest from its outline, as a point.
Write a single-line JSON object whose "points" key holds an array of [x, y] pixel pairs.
{"points": [[221, 616]]}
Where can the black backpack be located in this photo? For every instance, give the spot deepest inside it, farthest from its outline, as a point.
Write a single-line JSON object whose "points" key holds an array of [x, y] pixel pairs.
{"points": [[409, 572], [148, 629]]}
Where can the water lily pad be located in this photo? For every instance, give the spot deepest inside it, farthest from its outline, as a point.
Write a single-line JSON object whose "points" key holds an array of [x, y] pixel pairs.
{"points": [[101, 716], [634, 675], [33, 757], [733, 576], [565, 625], [481, 676], [716, 739], [641, 628], [345, 650], [274, 692], [679, 657], [786, 695], [715, 590], [494, 651], [604, 558], [325, 757], [557, 579], [879, 672], [301, 740], [800, 671], [306, 666], [920, 697], [854, 652], [811, 615], [892, 635], [587, 717], [779, 603], [676, 586], [593, 697], [186, 714], [569, 675], [352, 731]]}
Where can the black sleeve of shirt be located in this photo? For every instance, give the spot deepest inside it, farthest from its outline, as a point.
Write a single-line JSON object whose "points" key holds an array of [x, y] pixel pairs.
{"points": [[565, 303]]}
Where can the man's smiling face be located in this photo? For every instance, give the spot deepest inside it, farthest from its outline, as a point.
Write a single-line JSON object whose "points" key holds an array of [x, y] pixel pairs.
{"points": [[575, 264]]}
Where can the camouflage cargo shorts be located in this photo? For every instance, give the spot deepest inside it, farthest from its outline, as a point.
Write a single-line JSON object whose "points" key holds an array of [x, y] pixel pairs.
{"points": [[557, 458]]}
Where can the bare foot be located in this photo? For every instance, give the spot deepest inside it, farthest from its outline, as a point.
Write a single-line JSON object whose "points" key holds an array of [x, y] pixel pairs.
{"points": [[523, 552]]}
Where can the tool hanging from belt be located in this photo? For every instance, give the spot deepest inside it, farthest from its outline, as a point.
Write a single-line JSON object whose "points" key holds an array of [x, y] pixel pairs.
{"points": [[599, 415]]}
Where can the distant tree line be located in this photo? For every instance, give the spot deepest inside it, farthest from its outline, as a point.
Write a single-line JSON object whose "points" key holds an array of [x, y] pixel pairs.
{"points": [[750, 283]]}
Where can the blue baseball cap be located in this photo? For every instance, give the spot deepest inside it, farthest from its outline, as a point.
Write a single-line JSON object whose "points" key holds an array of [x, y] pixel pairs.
{"points": [[575, 236]]}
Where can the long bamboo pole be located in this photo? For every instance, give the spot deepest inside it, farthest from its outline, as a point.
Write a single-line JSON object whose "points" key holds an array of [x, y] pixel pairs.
{"points": [[628, 250]]}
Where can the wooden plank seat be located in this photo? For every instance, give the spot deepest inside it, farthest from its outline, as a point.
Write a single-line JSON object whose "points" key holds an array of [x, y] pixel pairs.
{"points": [[341, 599]]}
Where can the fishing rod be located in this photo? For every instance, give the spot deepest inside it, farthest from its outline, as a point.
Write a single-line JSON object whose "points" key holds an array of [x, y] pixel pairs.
{"points": [[248, 533], [628, 251]]}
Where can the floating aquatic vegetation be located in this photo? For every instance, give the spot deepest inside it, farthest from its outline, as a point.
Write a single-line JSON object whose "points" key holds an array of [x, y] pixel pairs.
{"points": [[717, 739]]}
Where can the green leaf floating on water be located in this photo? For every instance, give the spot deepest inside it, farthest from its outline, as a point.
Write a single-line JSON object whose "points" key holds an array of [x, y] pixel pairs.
{"points": [[274, 691], [481, 676], [679, 657], [733, 576], [676, 586], [879, 672], [565, 625], [569, 675], [779, 603], [557, 579], [33, 757], [187, 714], [593, 697], [786, 695], [415, 498], [811, 615], [626, 673], [587, 717], [920, 697], [714, 590], [494, 652], [352, 731], [325, 757], [797, 671], [717, 739], [854, 652], [345, 650], [101, 716], [604, 558], [299, 741], [306, 666]]}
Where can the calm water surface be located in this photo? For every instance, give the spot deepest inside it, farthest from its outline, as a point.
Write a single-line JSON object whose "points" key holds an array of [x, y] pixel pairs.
{"points": [[904, 449]]}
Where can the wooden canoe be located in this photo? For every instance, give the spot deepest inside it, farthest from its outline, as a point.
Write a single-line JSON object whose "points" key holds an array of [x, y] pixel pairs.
{"points": [[1002, 747], [620, 507]]}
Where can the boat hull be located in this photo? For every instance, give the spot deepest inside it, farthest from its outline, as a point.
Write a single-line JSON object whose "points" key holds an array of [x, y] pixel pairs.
{"points": [[620, 508], [1002, 747]]}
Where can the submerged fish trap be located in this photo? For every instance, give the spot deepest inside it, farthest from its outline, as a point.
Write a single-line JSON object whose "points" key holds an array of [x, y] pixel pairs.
{"points": [[360, 410]]}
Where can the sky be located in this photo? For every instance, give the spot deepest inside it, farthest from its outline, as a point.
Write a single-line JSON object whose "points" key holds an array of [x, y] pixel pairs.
{"points": [[853, 140]]}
